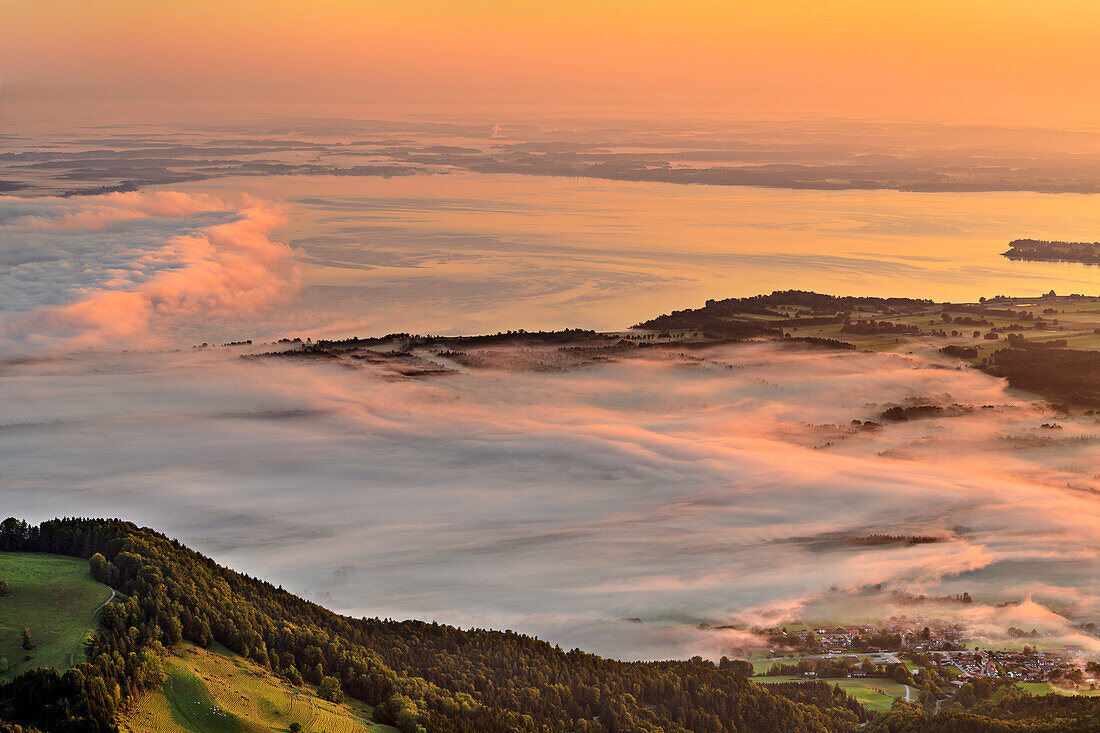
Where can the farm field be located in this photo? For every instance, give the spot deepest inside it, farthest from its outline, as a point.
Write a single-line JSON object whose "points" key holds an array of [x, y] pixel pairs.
{"points": [[1045, 688], [56, 599], [760, 666], [215, 691], [875, 693], [1073, 320]]}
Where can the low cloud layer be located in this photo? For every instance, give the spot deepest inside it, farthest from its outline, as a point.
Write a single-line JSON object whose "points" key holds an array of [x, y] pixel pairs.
{"points": [[124, 269], [616, 506]]}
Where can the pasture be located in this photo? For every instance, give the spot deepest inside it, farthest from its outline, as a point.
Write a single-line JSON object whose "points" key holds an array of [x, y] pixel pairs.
{"points": [[215, 691], [56, 599]]}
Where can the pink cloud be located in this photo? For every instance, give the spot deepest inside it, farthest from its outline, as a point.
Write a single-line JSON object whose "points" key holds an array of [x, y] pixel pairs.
{"points": [[232, 268]]}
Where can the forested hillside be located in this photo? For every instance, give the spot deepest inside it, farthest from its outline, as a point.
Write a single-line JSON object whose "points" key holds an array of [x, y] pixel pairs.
{"points": [[419, 676]]}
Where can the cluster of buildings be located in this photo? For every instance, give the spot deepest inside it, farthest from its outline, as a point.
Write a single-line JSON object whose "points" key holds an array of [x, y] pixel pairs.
{"points": [[928, 636], [946, 642], [1030, 666], [912, 635], [838, 639]]}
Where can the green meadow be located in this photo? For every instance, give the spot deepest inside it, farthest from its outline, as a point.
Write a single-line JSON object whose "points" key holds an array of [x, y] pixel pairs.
{"points": [[56, 599]]}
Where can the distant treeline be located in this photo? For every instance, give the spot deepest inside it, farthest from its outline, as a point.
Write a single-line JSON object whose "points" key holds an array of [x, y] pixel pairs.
{"points": [[1038, 249], [721, 317], [871, 327], [1067, 375], [905, 598], [892, 539]]}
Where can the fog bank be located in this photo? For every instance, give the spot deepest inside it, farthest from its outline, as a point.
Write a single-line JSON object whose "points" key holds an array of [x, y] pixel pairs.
{"points": [[614, 506]]}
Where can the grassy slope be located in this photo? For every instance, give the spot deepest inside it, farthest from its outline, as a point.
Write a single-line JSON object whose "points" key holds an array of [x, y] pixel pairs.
{"points": [[216, 691], [56, 599], [875, 693]]}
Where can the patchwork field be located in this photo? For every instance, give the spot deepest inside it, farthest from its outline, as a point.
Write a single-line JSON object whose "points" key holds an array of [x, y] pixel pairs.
{"points": [[1047, 346], [56, 599], [215, 691], [1076, 321]]}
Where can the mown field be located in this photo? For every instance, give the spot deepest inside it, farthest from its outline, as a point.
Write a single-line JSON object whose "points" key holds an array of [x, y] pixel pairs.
{"points": [[56, 599], [215, 691], [875, 693]]}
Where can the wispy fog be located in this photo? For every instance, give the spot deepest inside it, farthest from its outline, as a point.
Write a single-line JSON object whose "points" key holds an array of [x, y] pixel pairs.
{"points": [[628, 504], [615, 505]]}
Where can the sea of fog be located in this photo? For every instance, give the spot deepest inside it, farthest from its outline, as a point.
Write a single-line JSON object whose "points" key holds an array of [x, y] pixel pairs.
{"points": [[632, 507]]}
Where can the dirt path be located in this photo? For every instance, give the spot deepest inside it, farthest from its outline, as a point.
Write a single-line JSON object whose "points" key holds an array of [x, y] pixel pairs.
{"points": [[99, 608], [104, 604]]}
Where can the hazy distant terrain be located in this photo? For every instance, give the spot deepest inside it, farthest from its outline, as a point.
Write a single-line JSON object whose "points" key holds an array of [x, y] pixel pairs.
{"points": [[816, 155]]}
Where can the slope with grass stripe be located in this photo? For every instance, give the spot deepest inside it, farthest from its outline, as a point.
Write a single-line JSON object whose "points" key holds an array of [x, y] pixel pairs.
{"points": [[56, 598], [215, 691]]}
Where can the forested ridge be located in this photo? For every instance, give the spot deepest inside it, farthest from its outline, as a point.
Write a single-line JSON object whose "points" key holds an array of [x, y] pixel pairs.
{"points": [[420, 676]]}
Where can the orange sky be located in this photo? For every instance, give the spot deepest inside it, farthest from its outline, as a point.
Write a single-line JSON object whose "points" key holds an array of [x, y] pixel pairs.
{"points": [[978, 60]]}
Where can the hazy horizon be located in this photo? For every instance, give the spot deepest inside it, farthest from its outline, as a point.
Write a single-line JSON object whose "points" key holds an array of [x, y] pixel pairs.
{"points": [[975, 62]]}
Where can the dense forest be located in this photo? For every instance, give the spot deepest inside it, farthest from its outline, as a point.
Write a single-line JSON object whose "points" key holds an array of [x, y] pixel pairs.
{"points": [[1069, 375], [420, 676]]}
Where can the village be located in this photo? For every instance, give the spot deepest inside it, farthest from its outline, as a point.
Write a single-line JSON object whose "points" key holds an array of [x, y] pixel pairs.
{"points": [[866, 650]]}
